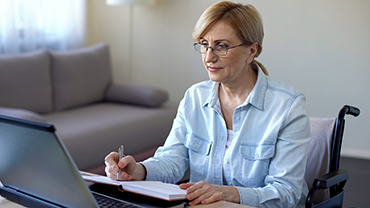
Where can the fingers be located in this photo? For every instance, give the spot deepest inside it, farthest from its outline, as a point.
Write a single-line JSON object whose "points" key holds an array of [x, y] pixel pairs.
{"points": [[217, 196], [124, 176], [125, 161], [128, 168], [185, 185], [112, 158], [201, 192], [112, 166]]}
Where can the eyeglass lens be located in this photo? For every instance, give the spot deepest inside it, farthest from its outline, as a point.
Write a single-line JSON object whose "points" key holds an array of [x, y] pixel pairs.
{"points": [[217, 50]]}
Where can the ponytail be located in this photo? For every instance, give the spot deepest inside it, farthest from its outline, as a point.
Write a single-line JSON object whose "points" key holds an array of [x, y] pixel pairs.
{"points": [[263, 68]]}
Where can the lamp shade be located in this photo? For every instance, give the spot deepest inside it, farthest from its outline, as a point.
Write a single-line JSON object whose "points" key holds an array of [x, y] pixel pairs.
{"points": [[128, 2]]}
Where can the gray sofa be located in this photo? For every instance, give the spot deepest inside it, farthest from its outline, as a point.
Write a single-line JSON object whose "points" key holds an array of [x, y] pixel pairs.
{"points": [[93, 116]]}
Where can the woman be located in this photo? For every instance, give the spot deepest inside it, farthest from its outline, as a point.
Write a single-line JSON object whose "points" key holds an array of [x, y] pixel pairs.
{"points": [[244, 135]]}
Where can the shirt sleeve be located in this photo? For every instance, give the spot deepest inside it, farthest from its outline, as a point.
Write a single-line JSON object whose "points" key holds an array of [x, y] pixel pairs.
{"points": [[285, 182], [164, 166]]}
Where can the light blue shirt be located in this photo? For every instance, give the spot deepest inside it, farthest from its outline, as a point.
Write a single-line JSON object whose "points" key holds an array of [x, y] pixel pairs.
{"points": [[267, 159]]}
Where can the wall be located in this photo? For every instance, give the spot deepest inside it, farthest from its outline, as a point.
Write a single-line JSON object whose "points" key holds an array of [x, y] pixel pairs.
{"points": [[321, 47]]}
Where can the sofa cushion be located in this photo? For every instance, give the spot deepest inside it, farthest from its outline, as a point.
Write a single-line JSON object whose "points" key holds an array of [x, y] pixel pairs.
{"points": [[80, 76], [25, 81], [23, 114], [136, 94], [93, 131]]}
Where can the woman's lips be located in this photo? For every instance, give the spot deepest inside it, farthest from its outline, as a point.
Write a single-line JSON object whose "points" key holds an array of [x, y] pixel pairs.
{"points": [[214, 69]]}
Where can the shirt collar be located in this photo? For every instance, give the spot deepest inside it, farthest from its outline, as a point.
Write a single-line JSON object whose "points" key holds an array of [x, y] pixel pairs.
{"points": [[212, 99], [255, 98], [257, 95]]}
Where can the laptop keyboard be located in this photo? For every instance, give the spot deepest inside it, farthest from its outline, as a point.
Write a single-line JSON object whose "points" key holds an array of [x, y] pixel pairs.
{"points": [[105, 202]]}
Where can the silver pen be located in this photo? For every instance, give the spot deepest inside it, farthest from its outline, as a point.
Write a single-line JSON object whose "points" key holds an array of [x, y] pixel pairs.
{"points": [[121, 153]]}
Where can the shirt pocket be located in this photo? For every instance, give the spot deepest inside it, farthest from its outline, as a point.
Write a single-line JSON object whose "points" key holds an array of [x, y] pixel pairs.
{"points": [[255, 161], [199, 150]]}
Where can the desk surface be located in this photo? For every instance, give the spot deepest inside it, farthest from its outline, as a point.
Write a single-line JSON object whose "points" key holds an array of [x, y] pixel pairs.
{"points": [[4, 203]]}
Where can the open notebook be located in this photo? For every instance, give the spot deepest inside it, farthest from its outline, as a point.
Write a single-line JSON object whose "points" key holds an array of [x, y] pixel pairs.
{"points": [[156, 189]]}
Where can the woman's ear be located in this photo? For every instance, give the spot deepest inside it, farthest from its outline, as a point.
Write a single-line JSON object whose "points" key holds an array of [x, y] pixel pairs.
{"points": [[252, 51]]}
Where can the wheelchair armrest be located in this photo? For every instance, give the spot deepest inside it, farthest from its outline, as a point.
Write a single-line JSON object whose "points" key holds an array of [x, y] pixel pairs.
{"points": [[326, 181], [330, 179]]}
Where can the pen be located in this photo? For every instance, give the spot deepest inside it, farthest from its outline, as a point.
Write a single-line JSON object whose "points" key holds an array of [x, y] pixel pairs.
{"points": [[121, 152]]}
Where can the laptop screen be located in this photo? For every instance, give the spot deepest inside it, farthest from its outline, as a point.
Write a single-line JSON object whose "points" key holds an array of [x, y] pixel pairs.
{"points": [[35, 162]]}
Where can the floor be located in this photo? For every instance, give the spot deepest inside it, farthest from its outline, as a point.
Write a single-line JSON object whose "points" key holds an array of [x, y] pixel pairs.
{"points": [[357, 187]]}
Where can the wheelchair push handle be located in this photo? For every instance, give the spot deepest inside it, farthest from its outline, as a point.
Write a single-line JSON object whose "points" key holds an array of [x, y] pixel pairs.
{"points": [[351, 110]]}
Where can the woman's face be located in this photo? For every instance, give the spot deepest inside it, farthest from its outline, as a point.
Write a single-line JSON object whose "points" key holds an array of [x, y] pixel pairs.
{"points": [[226, 69]]}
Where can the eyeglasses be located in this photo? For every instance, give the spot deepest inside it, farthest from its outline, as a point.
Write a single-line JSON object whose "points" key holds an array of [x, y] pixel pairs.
{"points": [[218, 50]]}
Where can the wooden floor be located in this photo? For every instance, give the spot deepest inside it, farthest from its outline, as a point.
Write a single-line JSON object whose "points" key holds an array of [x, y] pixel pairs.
{"points": [[357, 192]]}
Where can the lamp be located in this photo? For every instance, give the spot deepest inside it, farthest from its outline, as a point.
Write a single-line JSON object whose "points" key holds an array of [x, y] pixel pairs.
{"points": [[130, 3]]}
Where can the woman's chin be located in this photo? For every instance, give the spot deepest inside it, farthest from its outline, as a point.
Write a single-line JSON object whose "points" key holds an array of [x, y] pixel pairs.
{"points": [[213, 76], [216, 80]]}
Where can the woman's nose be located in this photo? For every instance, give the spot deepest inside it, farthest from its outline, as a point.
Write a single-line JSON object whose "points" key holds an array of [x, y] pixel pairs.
{"points": [[210, 56]]}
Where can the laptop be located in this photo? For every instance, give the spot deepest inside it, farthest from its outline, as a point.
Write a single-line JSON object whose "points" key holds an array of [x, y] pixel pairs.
{"points": [[36, 169]]}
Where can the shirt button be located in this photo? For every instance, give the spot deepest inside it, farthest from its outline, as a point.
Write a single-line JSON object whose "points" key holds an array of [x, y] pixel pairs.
{"points": [[237, 118], [256, 154], [230, 184], [197, 145], [227, 162]]}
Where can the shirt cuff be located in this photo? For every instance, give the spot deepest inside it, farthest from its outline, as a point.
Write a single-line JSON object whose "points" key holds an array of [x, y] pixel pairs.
{"points": [[149, 171], [248, 196]]}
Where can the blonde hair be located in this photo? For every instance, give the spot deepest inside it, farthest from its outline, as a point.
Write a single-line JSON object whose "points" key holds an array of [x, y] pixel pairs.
{"points": [[244, 19]]}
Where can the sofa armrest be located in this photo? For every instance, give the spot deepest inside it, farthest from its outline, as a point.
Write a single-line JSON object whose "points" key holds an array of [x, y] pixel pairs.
{"points": [[23, 114], [136, 94]]}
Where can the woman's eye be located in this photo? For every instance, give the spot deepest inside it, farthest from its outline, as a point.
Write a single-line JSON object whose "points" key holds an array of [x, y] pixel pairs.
{"points": [[220, 46], [204, 43]]}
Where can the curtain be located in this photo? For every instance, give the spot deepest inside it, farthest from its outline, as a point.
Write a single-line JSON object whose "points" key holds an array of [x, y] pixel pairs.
{"points": [[27, 25]]}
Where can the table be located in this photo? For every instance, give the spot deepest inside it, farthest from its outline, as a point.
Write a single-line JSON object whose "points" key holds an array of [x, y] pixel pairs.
{"points": [[222, 204], [4, 203]]}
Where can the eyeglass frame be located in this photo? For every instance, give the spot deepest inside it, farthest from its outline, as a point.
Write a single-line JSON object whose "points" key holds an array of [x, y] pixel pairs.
{"points": [[213, 50]]}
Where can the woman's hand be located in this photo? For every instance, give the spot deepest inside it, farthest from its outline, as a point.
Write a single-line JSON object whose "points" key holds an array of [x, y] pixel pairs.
{"points": [[201, 192], [130, 169], [205, 193]]}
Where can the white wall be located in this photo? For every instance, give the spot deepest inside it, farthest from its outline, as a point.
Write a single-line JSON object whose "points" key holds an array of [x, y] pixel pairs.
{"points": [[321, 47]]}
